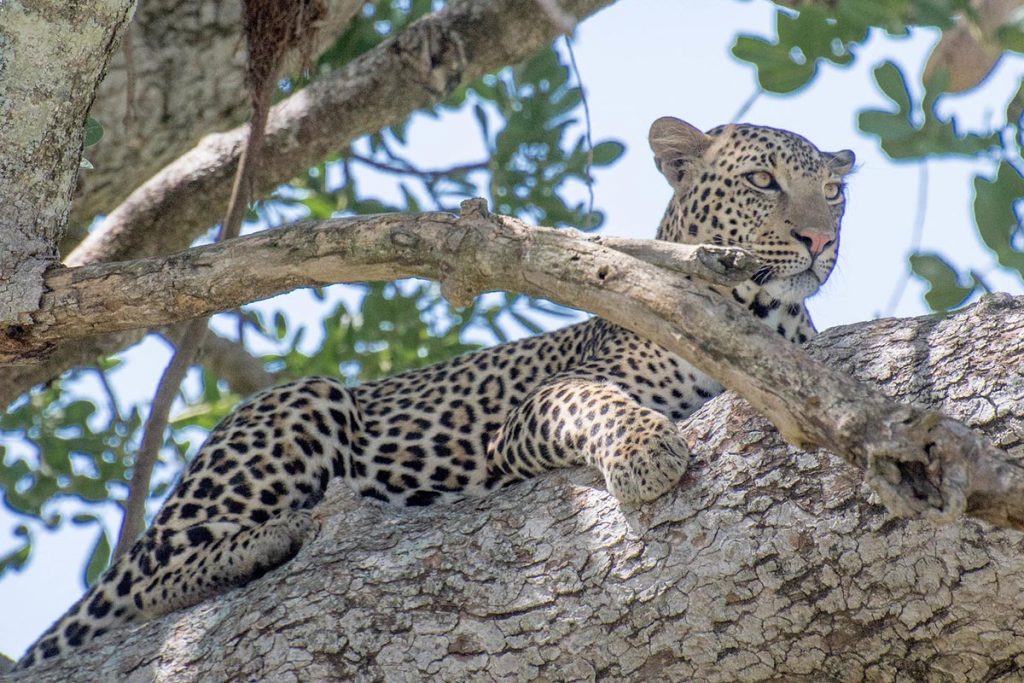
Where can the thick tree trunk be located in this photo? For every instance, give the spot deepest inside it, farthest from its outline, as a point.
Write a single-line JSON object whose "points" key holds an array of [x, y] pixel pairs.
{"points": [[52, 57], [767, 563]]}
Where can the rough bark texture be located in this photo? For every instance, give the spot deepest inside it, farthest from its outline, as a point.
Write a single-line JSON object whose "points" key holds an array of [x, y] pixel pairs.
{"points": [[121, 296], [768, 563], [52, 57], [185, 78]]}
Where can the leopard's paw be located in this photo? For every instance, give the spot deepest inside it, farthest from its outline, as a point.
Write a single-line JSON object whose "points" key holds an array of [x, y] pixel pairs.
{"points": [[647, 463]]}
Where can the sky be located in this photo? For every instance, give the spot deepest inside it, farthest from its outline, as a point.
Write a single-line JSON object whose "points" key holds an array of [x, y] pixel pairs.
{"points": [[639, 60]]}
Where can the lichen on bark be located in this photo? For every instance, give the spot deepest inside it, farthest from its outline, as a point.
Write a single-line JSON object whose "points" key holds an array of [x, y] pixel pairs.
{"points": [[52, 57]]}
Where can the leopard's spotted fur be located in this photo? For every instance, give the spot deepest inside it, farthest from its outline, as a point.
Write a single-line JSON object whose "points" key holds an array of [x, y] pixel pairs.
{"points": [[593, 393]]}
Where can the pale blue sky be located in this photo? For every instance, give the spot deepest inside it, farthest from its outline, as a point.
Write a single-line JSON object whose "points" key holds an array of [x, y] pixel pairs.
{"points": [[639, 60]]}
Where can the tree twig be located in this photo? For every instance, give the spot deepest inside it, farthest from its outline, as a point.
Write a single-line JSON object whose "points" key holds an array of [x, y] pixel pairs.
{"points": [[134, 519], [587, 222], [115, 409], [915, 238], [406, 168]]}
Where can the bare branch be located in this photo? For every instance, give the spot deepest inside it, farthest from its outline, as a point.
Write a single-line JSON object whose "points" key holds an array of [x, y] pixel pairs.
{"points": [[232, 362], [134, 519], [180, 75], [271, 28], [113, 297], [417, 68], [406, 168]]}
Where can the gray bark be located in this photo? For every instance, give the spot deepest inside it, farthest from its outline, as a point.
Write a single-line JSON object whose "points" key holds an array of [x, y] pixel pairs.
{"points": [[126, 295], [767, 563], [52, 56]]}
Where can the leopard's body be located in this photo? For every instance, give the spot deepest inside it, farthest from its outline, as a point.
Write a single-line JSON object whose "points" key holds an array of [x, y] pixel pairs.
{"points": [[592, 393]]}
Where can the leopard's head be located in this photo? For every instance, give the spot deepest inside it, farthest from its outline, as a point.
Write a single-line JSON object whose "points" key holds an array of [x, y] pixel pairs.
{"points": [[763, 189]]}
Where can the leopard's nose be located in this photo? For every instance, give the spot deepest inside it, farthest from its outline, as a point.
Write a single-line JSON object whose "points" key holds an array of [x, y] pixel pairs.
{"points": [[814, 240]]}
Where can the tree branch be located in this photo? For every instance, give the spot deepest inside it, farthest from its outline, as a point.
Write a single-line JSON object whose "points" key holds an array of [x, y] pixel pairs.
{"points": [[133, 522], [120, 296], [917, 461], [767, 563], [405, 168], [416, 68], [229, 360]]}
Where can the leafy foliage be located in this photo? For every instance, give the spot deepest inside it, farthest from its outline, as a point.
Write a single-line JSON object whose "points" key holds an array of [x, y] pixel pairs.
{"points": [[918, 131], [996, 211], [945, 290], [804, 40]]}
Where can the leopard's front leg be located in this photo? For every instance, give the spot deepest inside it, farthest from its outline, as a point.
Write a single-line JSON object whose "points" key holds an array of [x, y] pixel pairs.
{"points": [[581, 418]]}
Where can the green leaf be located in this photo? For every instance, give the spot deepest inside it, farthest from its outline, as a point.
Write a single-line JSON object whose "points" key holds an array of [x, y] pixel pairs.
{"points": [[890, 80], [608, 152], [776, 70], [78, 412], [901, 134], [17, 558], [945, 288], [481, 119], [93, 132], [996, 216], [280, 325], [99, 558]]}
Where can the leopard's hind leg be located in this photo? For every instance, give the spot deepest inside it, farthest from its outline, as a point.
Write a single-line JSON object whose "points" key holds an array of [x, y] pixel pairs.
{"points": [[240, 509]]}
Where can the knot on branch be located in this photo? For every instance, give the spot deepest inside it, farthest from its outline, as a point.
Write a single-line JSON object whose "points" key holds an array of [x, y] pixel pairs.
{"points": [[923, 471], [472, 234], [474, 208], [435, 55], [731, 262]]}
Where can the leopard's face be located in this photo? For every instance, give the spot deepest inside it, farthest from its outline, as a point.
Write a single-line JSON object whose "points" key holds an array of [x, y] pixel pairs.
{"points": [[767, 190]]}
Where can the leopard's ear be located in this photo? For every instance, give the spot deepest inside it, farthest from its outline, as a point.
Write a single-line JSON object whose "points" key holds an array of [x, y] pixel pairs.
{"points": [[676, 145], [842, 161]]}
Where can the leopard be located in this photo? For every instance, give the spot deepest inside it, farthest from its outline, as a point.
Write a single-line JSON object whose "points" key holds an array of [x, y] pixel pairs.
{"points": [[590, 394]]}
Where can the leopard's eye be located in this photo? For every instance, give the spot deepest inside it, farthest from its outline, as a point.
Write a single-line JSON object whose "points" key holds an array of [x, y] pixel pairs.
{"points": [[762, 180], [833, 191]]}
